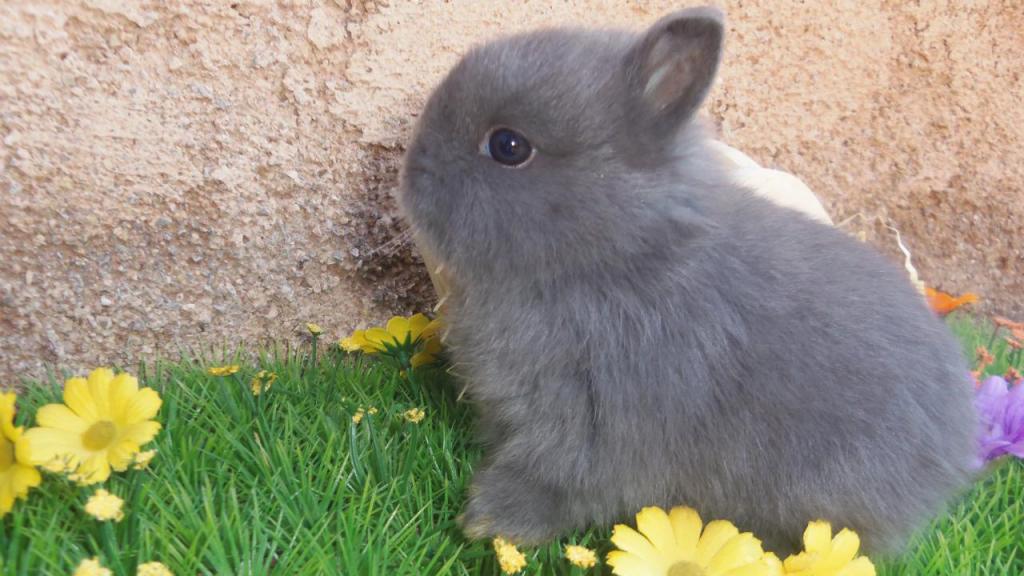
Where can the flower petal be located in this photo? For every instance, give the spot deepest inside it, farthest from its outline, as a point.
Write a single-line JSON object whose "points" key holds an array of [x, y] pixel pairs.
{"points": [[376, 337], [859, 567], [45, 444], [142, 406], [625, 564], [398, 328], [715, 535], [60, 417], [420, 358], [844, 548], [653, 523], [432, 328], [26, 477], [140, 433], [92, 470], [78, 397], [686, 524], [123, 388], [417, 323], [122, 454], [353, 342], [797, 563], [22, 451], [1017, 449], [741, 550], [773, 563], [818, 537], [633, 542], [7, 428], [6, 499], [756, 569], [99, 388]]}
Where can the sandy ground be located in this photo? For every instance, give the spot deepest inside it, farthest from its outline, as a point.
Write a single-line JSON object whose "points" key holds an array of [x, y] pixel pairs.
{"points": [[211, 173]]}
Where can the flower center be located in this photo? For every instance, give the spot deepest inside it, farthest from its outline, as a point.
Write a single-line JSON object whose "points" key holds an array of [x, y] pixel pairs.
{"points": [[99, 435], [686, 569], [6, 454]]}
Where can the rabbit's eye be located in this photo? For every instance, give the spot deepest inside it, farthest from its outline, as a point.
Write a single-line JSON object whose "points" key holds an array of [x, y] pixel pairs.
{"points": [[508, 147]]}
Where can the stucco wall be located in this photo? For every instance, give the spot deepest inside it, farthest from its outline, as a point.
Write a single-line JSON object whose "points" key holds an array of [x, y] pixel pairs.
{"points": [[215, 171]]}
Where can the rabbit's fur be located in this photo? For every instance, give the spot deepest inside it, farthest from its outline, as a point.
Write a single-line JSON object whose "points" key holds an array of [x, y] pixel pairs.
{"points": [[635, 330]]}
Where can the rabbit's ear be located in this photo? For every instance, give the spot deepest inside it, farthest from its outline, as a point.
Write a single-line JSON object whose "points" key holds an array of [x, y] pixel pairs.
{"points": [[670, 69]]}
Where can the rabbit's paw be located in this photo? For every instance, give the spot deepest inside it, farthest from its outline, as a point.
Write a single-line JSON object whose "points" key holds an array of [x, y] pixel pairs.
{"points": [[512, 508]]}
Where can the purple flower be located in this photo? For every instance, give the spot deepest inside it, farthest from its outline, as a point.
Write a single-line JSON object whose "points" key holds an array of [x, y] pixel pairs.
{"points": [[1001, 418]]}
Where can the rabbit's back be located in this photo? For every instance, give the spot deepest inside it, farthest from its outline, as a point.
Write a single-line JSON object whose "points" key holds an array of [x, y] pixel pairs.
{"points": [[859, 393], [773, 372]]}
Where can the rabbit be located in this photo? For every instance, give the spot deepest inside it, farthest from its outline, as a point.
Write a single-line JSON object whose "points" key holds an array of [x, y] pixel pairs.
{"points": [[633, 328]]}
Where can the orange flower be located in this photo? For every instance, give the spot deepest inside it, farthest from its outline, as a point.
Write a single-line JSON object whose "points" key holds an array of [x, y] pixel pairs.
{"points": [[1003, 322], [943, 303], [976, 375], [1013, 376], [1014, 343], [984, 357]]}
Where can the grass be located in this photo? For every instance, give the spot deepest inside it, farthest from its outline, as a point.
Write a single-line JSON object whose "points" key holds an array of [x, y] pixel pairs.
{"points": [[286, 483]]}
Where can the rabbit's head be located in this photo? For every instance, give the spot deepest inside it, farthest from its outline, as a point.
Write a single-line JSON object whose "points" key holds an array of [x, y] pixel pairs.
{"points": [[557, 149]]}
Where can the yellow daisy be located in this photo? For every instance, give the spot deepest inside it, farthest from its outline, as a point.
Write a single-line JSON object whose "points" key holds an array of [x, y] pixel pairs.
{"points": [[17, 475], [358, 416], [153, 569], [414, 415], [102, 424], [399, 331], [262, 381], [678, 544], [411, 329], [824, 555], [105, 506], [356, 342], [314, 329], [91, 567], [227, 370], [580, 556], [431, 329], [142, 459], [431, 349], [510, 558]]}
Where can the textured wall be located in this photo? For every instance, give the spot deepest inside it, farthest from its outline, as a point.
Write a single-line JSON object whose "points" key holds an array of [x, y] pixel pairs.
{"points": [[216, 172]]}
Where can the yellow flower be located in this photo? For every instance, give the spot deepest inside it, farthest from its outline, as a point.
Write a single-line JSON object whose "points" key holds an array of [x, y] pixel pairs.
{"points": [[314, 329], [580, 556], [372, 411], [414, 415], [223, 370], [674, 544], [102, 424], [824, 555], [398, 332], [509, 557], [17, 475], [91, 567], [142, 459], [153, 569], [358, 416], [105, 506], [431, 349], [357, 341], [431, 329], [412, 328], [262, 381]]}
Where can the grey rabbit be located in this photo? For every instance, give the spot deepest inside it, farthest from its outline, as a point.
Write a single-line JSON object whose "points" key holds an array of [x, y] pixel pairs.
{"points": [[634, 330]]}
